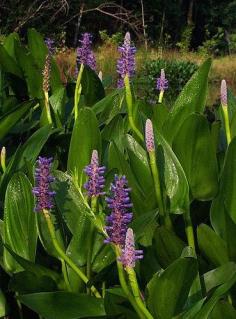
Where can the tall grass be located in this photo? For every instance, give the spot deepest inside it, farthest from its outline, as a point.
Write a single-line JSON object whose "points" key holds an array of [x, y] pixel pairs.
{"points": [[107, 55]]}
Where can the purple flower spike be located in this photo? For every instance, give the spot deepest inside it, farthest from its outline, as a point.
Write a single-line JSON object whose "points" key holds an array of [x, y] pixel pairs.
{"points": [[129, 253], [95, 184], [85, 54], [149, 136], [50, 43], [126, 62], [223, 93], [120, 216], [162, 82], [43, 179]]}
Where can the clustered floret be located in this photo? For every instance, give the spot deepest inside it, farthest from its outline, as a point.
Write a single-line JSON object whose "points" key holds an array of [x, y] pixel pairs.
{"points": [[85, 54], [43, 179], [162, 82], [126, 62], [120, 204], [96, 181]]}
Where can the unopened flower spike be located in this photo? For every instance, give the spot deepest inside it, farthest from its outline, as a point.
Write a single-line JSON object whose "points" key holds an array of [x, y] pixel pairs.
{"points": [[149, 136], [224, 104], [120, 205], [46, 73], [85, 54], [223, 93], [96, 181], [3, 158], [43, 179], [126, 62], [129, 253], [162, 85]]}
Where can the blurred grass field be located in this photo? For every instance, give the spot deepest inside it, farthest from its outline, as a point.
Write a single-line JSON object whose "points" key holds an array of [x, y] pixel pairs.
{"points": [[106, 56]]}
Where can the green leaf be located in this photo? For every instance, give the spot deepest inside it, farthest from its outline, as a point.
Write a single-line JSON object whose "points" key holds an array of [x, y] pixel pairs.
{"points": [[218, 293], [190, 313], [63, 305], [228, 181], [33, 146], [8, 64], [11, 167], [27, 282], [144, 227], [117, 160], [223, 310], [92, 87], [9, 44], [20, 232], [8, 120], [111, 105], [194, 148], [140, 166], [33, 76], [169, 291], [212, 246], [34, 268], [85, 138], [219, 276], [168, 246], [3, 305], [57, 101], [160, 115], [191, 99], [176, 185]]}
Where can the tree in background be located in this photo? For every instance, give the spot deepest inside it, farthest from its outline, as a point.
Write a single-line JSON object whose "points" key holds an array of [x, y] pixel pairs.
{"points": [[191, 23]]}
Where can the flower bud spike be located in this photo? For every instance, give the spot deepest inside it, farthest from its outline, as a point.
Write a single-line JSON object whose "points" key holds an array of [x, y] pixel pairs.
{"points": [[223, 93], [3, 158], [129, 253], [96, 181], [149, 136]]}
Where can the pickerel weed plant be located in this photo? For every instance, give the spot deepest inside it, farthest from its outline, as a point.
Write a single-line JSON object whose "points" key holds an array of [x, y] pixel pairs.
{"points": [[111, 207]]}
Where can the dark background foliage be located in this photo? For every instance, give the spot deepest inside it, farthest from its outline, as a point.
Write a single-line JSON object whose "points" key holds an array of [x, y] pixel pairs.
{"points": [[164, 19]]}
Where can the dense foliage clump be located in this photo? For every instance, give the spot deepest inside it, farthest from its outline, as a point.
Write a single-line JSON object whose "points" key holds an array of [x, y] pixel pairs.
{"points": [[111, 206]]}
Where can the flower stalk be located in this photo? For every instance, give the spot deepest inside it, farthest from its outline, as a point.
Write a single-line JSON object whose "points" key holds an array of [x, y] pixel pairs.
{"points": [[62, 254], [150, 146], [123, 283], [44, 203], [129, 102], [78, 89], [224, 104]]}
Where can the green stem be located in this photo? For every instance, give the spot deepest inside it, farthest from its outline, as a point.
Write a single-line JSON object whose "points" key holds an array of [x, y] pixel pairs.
{"points": [[47, 107], [136, 292], [124, 285], [62, 254], [19, 306], [65, 275], [78, 89], [189, 230], [129, 102], [164, 216], [161, 94], [90, 240], [227, 125]]}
